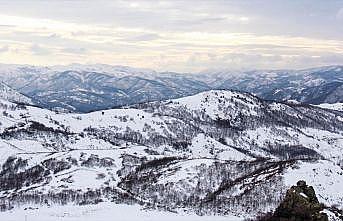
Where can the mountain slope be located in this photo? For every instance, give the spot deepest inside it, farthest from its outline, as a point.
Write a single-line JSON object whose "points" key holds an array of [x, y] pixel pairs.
{"points": [[334, 106], [301, 203], [211, 153], [12, 95], [314, 86]]}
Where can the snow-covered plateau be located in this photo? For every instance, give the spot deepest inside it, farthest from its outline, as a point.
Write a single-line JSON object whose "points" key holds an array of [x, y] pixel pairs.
{"points": [[216, 155]]}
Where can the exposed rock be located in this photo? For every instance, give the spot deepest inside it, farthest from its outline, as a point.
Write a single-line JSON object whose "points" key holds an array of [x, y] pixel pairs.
{"points": [[300, 204]]}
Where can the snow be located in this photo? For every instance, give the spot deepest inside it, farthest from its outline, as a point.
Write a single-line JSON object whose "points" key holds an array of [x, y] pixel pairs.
{"points": [[185, 170], [293, 102], [303, 195], [137, 83], [121, 119], [7, 93], [325, 177], [79, 179], [103, 211], [202, 146], [334, 106], [277, 106], [326, 143], [331, 215], [217, 103], [6, 151]]}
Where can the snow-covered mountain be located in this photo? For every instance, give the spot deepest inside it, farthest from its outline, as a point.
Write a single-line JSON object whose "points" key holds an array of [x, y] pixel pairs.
{"points": [[84, 88], [216, 152], [314, 86], [9, 94]]}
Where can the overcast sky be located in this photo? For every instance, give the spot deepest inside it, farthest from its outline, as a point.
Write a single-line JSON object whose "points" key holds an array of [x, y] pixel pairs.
{"points": [[173, 35]]}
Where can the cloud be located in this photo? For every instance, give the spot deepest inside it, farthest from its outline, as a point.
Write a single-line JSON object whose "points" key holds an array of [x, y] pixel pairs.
{"points": [[339, 14], [4, 49], [36, 49], [163, 35], [143, 37], [74, 50], [7, 26]]}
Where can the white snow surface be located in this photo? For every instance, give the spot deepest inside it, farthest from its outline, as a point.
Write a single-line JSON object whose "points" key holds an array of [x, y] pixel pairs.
{"points": [[217, 104], [102, 212], [335, 106], [325, 177], [202, 146], [10, 94]]}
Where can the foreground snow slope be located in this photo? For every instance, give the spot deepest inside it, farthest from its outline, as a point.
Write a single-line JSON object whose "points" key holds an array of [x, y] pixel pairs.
{"points": [[104, 211], [211, 153]]}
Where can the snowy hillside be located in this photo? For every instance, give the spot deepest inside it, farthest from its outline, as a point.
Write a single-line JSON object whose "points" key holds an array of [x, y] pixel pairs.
{"points": [[84, 88], [312, 86], [213, 153], [104, 211], [335, 106], [7, 93]]}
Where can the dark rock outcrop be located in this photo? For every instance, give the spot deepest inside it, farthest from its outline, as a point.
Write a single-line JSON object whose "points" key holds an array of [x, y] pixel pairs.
{"points": [[300, 204]]}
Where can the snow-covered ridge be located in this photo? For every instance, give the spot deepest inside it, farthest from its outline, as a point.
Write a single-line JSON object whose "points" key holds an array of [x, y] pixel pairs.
{"points": [[9, 94], [216, 103]]}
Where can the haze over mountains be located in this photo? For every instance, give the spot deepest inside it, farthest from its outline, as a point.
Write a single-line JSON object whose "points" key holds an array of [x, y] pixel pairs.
{"points": [[84, 88]]}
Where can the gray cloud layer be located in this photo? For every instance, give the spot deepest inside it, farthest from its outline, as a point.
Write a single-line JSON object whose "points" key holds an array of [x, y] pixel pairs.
{"points": [[183, 35]]}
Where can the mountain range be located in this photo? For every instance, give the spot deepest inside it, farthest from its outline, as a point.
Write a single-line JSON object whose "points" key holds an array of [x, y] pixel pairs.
{"points": [[85, 88]]}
